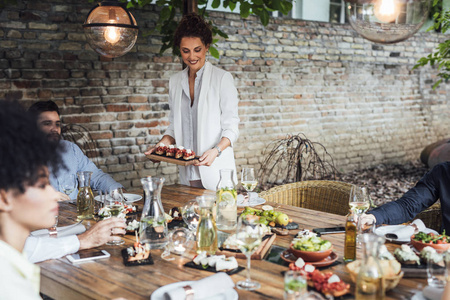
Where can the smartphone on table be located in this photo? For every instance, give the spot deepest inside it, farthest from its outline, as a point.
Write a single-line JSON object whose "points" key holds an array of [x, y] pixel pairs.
{"points": [[86, 255], [329, 230]]}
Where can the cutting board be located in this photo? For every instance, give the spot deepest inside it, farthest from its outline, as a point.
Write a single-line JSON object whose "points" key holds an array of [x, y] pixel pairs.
{"points": [[258, 254], [173, 160]]}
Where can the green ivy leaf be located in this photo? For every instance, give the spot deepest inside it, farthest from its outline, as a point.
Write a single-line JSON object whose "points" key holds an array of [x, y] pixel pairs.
{"points": [[213, 51], [215, 4]]}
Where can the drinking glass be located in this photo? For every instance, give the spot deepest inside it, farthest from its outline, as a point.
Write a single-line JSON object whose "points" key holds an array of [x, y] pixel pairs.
{"points": [[249, 235], [69, 184], [294, 285], [248, 180], [114, 206], [191, 214], [359, 204]]}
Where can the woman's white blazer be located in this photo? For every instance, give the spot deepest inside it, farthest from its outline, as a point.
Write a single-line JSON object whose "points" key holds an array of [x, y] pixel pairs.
{"points": [[217, 117]]}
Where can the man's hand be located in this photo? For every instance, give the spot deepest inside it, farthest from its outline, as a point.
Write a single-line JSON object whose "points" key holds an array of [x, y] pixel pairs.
{"points": [[208, 157], [367, 220], [101, 233], [63, 197]]}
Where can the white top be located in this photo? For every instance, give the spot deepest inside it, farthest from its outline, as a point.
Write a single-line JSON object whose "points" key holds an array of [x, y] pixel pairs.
{"points": [[189, 119], [217, 117], [19, 279], [42, 248]]}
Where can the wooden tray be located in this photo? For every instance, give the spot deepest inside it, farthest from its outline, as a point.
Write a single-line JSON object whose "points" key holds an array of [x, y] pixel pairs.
{"points": [[259, 253], [172, 160]]}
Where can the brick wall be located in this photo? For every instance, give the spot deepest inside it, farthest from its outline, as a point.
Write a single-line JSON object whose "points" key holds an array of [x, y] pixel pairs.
{"points": [[359, 99]]}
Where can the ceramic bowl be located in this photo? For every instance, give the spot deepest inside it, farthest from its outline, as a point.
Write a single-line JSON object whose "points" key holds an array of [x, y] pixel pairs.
{"points": [[438, 247], [311, 256]]}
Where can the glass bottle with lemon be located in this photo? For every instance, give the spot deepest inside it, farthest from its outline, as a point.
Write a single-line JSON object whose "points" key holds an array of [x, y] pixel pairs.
{"points": [[226, 197]]}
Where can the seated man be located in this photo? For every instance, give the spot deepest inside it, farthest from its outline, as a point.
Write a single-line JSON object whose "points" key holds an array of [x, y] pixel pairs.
{"points": [[73, 160], [432, 186], [47, 114]]}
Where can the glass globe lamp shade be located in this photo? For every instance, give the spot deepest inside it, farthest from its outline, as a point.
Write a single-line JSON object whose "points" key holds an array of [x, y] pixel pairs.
{"points": [[110, 29], [387, 21]]}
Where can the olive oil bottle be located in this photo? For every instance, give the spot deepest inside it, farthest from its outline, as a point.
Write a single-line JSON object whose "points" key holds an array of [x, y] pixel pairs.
{"points": [[350, 237]]}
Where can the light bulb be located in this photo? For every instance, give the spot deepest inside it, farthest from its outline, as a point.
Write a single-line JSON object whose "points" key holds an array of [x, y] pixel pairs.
{"points": [[386, 11], [112, 34]]}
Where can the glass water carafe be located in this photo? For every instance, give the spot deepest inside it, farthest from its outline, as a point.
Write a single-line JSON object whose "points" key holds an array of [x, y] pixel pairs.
{"points": [[226, 197], [206, 230], [370, 283], [85, 197], [153, 226]]}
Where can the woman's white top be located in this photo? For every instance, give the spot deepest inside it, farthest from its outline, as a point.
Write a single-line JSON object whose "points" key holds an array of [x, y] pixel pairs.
{"points": [[217, 117]]}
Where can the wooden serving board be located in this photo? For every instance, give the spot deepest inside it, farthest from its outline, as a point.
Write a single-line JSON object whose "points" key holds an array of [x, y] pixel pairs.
{"points": [[259, 253], [172, 160]]}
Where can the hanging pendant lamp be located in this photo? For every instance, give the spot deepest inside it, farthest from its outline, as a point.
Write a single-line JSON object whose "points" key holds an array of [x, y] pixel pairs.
{"points": [[387, 21], [110, 29]]}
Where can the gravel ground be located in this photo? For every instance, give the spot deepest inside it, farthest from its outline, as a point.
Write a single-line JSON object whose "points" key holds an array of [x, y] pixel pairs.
{"points": [[386, 182]]}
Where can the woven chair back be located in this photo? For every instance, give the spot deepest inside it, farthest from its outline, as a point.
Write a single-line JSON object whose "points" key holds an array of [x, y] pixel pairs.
{"points": [[321, 195]]}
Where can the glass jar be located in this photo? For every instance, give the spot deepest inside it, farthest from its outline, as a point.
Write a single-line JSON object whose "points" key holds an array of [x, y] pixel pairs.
{"points": [[226, 201], [85, 197], [153, 226], [206, 230], [370, 283]]}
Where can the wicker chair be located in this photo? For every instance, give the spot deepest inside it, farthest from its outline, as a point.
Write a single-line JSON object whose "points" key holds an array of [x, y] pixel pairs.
{"points": [[321, 195], [81, 136], [432, 217]]}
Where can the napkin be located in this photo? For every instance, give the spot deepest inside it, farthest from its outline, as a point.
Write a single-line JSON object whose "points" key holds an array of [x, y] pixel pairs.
{"points": [[203, 288], [62, 231], [432, 293], [406, 232]]}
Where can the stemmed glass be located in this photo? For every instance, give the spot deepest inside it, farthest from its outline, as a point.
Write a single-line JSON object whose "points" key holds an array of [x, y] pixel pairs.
{"points": [[69, 184], [248, 180], [191, 215], [249, 235], [114, 206], [359, 204]]}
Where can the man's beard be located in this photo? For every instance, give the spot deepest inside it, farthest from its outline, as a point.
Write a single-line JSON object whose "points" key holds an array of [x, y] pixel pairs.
{"points": [[54, 138]]}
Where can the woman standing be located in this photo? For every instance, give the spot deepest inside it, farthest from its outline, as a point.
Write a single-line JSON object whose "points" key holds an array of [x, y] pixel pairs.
{"points": [[203, 108]]}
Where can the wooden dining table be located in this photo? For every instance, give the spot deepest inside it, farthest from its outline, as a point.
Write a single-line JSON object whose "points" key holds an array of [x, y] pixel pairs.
{"points": [[110, 278]]}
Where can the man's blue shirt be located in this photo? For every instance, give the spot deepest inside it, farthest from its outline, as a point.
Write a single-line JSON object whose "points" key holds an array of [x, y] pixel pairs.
{"points": [[432, 186], [75, 161]]}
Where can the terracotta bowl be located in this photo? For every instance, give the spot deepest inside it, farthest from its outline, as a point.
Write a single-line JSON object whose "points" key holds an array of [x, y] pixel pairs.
{"points": [[438, 247], [311, 256]]}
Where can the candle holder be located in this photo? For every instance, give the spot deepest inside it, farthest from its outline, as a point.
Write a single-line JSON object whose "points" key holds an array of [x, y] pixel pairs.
{"points": [[180, 240]]}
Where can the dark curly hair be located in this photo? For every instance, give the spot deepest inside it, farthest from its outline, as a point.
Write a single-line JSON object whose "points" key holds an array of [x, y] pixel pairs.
{"points": [[42, 106], [24, 149], [192, 25]]}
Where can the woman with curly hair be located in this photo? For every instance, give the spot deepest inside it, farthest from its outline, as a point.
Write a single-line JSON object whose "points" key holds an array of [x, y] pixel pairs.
{"points": [[27, 200], [203, 108]]}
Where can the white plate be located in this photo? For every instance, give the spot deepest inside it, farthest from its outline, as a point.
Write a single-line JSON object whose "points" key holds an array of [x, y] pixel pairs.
{"points": [[230, 294], [418, 296], [130, 198], [382, 230], [254, 200]]}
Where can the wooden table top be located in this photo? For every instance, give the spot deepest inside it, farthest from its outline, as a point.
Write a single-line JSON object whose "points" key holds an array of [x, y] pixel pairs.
{"points": [[107, 279]]}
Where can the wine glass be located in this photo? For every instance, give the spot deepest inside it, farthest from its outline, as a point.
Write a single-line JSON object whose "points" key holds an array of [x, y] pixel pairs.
{"points": [[248, 180], [359, 204], [69, 184], [249, 235], [191, 214], [114, 206]]}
